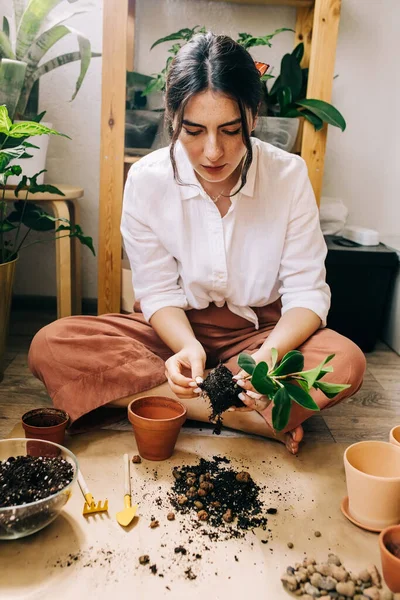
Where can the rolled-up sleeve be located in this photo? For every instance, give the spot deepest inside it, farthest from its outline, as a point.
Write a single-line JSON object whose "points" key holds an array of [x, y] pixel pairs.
{"points": [[302, 271], [154, 270]]}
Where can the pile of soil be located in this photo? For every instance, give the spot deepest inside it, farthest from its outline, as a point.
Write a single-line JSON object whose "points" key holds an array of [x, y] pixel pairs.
{"points": [[222, 392], [25, 479], [219, 496]]}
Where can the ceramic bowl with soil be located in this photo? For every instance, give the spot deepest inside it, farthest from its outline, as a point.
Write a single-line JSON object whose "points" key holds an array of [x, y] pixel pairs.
{"points": [[46, 424], [36, 478]]}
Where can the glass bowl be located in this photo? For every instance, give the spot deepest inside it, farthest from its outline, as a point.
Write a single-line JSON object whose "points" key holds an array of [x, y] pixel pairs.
{"points": [[25, 519]]}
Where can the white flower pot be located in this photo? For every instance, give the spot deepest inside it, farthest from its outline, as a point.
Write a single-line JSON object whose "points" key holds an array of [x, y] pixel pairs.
{"points": [[278, 131], [31, 166]]}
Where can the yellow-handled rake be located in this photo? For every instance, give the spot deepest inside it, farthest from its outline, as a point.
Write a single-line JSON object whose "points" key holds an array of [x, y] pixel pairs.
{"points": [[90, 507]]}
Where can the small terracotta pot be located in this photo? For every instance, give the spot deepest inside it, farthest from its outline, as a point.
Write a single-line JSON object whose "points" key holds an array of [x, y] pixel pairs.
{"points": [[394, 435], [156, 422], [390, 562], [46, 424], [373, 483]]}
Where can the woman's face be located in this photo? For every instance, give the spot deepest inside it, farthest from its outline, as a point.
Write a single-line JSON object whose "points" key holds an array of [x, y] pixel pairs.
{"points": [[212, 135]]}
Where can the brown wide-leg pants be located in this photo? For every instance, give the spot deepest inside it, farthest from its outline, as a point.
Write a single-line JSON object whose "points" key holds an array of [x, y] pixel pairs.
{"points": [[87, 362]]}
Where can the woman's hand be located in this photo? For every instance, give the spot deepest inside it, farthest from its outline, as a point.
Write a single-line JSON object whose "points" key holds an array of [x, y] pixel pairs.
{"points": [[184, 368], [250, 397]]}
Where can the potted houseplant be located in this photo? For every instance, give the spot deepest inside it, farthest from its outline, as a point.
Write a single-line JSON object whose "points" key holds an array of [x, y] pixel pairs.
{"points": [[22, 55], [283, 383], [14, 146], [283, 104]]}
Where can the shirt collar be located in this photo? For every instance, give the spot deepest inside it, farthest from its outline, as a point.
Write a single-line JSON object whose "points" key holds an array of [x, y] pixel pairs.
{"points": [[192, 187]]}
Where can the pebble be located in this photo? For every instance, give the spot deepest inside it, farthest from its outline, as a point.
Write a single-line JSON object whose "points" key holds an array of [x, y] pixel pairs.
{"points": [[136, 459], [375, 576], [289, 581], [372, 593], [346, 588], [317, 533], [334, 560], [290, 545], [339, 573], [311, 590]]}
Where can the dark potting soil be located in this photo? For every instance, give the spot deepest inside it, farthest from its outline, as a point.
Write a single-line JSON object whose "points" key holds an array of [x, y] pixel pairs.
{"points": [[229, 500], [394, 548], [44, 420], [25, 479], [222, 392]]}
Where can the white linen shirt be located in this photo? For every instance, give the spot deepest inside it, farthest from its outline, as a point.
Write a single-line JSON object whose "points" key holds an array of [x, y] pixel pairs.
{"points": [[183, 253]]}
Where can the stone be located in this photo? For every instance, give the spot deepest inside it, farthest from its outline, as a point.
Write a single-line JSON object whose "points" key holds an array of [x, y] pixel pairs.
{"points": [[333, 559], [310, 569], [289, 582], [372, 593], [317, 580], [311, 590], [375, 576], [386, 595], [346, 588], [329, 584], [339, 573], [364, 576], [324, 569]]}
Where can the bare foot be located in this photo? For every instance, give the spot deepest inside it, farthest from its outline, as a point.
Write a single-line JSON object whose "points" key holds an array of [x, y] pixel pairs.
{"points": [[293, 439]]}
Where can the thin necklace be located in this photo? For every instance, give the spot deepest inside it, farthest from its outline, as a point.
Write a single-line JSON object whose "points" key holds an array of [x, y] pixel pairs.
{"points": [[215, 200]]}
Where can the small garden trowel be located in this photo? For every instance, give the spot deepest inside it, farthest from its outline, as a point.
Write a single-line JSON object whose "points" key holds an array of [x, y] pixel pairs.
{"points": [[125, 516]]}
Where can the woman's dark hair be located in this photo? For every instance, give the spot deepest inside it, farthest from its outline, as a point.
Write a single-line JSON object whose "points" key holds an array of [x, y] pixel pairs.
{"points": [[216, 63]]}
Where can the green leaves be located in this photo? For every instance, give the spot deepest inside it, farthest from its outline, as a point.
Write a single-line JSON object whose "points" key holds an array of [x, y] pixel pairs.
{"points": [[324, 111], [247, 363], [30, 128], [248, 41], [281, 409], [300, 396], [261, 381], [286, 382], [183, 34], [292, 362]]}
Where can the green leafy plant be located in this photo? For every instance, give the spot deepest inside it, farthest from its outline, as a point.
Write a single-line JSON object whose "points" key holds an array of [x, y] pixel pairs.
{"points": [[285, 382], [245, 39], [14, 145], [36, 32], [287, 97]]}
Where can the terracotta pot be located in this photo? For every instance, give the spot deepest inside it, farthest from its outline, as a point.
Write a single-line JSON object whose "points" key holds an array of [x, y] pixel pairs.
{"points": [[390, 562], [394, 435], [373, 483], [46, 424], [156, 422]]}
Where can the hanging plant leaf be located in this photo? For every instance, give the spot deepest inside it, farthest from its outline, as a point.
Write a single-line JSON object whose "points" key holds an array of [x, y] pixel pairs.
{"points": [[298, 52], [6, 226], [281, 409], [300, 396], [284, 98], [323, 110], [292, 362], [313, 119], [291, 76], [247, 363]]}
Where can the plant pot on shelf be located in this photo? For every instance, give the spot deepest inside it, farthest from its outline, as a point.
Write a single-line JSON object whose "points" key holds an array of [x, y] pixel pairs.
{"points": [[7, 271], [37, 162], [278, 131], [156, 422], [141, 128]]}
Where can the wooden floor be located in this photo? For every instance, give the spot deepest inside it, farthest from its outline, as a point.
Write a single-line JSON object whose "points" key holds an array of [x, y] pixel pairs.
{"points": [[370, 414]]}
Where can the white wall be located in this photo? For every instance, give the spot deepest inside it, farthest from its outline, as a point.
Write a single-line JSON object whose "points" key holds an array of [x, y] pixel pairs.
{"points": [[361, 164]]}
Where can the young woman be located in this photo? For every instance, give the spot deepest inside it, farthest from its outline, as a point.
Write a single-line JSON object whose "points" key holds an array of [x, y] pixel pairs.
{"points": [[223, 237]]}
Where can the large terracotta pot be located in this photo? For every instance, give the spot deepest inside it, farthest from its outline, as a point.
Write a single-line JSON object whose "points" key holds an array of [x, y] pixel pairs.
{"points": [[7, 271], [156, 422]]}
